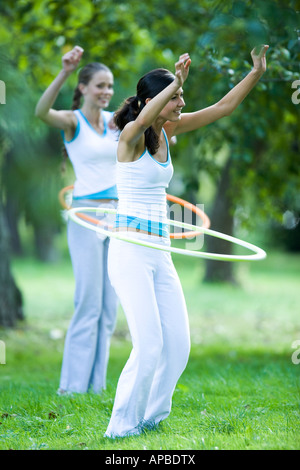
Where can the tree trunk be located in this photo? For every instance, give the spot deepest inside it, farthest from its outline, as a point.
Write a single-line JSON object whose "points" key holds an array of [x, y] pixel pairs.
{"points": [[221, 221], [10, 295], [43, 240], [12, 212]]}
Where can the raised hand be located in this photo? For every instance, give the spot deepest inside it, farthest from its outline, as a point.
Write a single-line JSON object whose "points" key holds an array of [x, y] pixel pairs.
{"points": [[258, 55], [182, 68], [72, 58]]}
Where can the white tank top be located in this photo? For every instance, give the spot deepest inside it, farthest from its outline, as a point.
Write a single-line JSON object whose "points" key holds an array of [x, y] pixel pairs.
{"points": [[94, 158], [142, 193]]}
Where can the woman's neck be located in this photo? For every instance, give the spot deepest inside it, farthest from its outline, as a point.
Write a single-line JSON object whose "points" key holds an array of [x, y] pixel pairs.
{"points": [[93, 114]]}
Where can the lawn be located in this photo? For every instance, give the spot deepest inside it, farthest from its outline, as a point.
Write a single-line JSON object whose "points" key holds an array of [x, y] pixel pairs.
{"points": [[240, 390]]}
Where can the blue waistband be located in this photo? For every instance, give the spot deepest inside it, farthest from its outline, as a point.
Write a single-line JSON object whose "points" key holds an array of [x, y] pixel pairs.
{"points": [[109, 193], [149, 226]]}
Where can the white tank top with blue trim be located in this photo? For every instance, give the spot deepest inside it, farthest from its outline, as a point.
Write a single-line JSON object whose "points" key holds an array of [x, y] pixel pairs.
{"points": [[94, 158], [142, 193]]}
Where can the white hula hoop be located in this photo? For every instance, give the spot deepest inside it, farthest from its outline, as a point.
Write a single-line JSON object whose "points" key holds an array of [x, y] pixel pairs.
{"points": [[259, 254]]}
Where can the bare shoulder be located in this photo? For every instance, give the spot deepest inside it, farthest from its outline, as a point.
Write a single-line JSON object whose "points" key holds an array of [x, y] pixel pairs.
{"points": [[129, 151], [70, 119], [62, 119], [69, 124], [126, 132]]}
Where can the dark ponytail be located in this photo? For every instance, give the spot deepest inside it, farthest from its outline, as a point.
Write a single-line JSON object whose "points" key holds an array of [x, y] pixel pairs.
{"points": [[76, 99], [148, 86], [85, 76], [129, 111]]}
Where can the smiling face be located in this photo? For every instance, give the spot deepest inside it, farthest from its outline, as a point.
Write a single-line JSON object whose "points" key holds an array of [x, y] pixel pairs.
{"points": [[151, 84], [172, 110], [99, 90]]}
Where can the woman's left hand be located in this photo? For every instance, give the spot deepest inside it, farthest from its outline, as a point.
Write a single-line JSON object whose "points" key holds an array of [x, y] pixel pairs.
{"points": [[258, 55]]}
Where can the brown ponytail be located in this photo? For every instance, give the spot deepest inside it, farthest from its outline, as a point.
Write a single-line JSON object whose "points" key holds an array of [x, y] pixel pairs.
{"points": [[76, 98], [129, 111]]}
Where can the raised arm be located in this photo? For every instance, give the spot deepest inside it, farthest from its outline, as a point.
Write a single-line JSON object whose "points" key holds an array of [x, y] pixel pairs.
{"points": [[134, 130], [224, 107], [44, 111]]}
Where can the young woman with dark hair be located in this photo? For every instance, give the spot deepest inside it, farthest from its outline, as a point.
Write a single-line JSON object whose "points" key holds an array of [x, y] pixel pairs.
{"points": [[145, 279], [91, 144]]}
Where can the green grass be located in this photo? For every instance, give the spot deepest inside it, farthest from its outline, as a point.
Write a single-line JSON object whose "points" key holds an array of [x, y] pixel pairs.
{"points": [[240, 389]]}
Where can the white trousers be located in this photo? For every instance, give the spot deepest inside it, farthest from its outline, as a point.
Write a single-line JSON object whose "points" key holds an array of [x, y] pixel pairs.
{"points": [[150, 293], [88, 338]]}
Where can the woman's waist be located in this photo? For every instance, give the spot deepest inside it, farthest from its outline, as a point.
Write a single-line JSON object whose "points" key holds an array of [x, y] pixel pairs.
{"points": [[139, 193], [154, 210], [95, 203], [142, 236], [126, 222], [104, 195], [86, 202]]}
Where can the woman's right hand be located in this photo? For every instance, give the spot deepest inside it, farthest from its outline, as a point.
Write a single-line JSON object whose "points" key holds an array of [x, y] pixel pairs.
{"points": [[71, 59], [258, 55], [182, 68]]}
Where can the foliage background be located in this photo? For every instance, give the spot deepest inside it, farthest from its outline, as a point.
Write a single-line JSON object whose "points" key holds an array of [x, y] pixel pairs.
{"points": [[243, 168], [261, 139]]}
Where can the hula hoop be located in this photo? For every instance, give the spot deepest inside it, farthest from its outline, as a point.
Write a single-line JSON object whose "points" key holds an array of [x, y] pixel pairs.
{"points": [[259, 254], [178, 200]]}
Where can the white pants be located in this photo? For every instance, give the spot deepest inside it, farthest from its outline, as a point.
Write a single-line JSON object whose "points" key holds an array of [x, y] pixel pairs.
{"points": [[150, 292], [88, 338]]}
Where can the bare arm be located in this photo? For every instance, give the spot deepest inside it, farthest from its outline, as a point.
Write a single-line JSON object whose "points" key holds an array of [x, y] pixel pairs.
{"points": [[224, 107], [60, 119], [133, 132]]}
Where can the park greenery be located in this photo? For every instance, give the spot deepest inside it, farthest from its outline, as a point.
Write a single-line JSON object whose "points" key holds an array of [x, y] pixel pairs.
{"points": [[244, 169], [240, 390], [252, 154]]}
